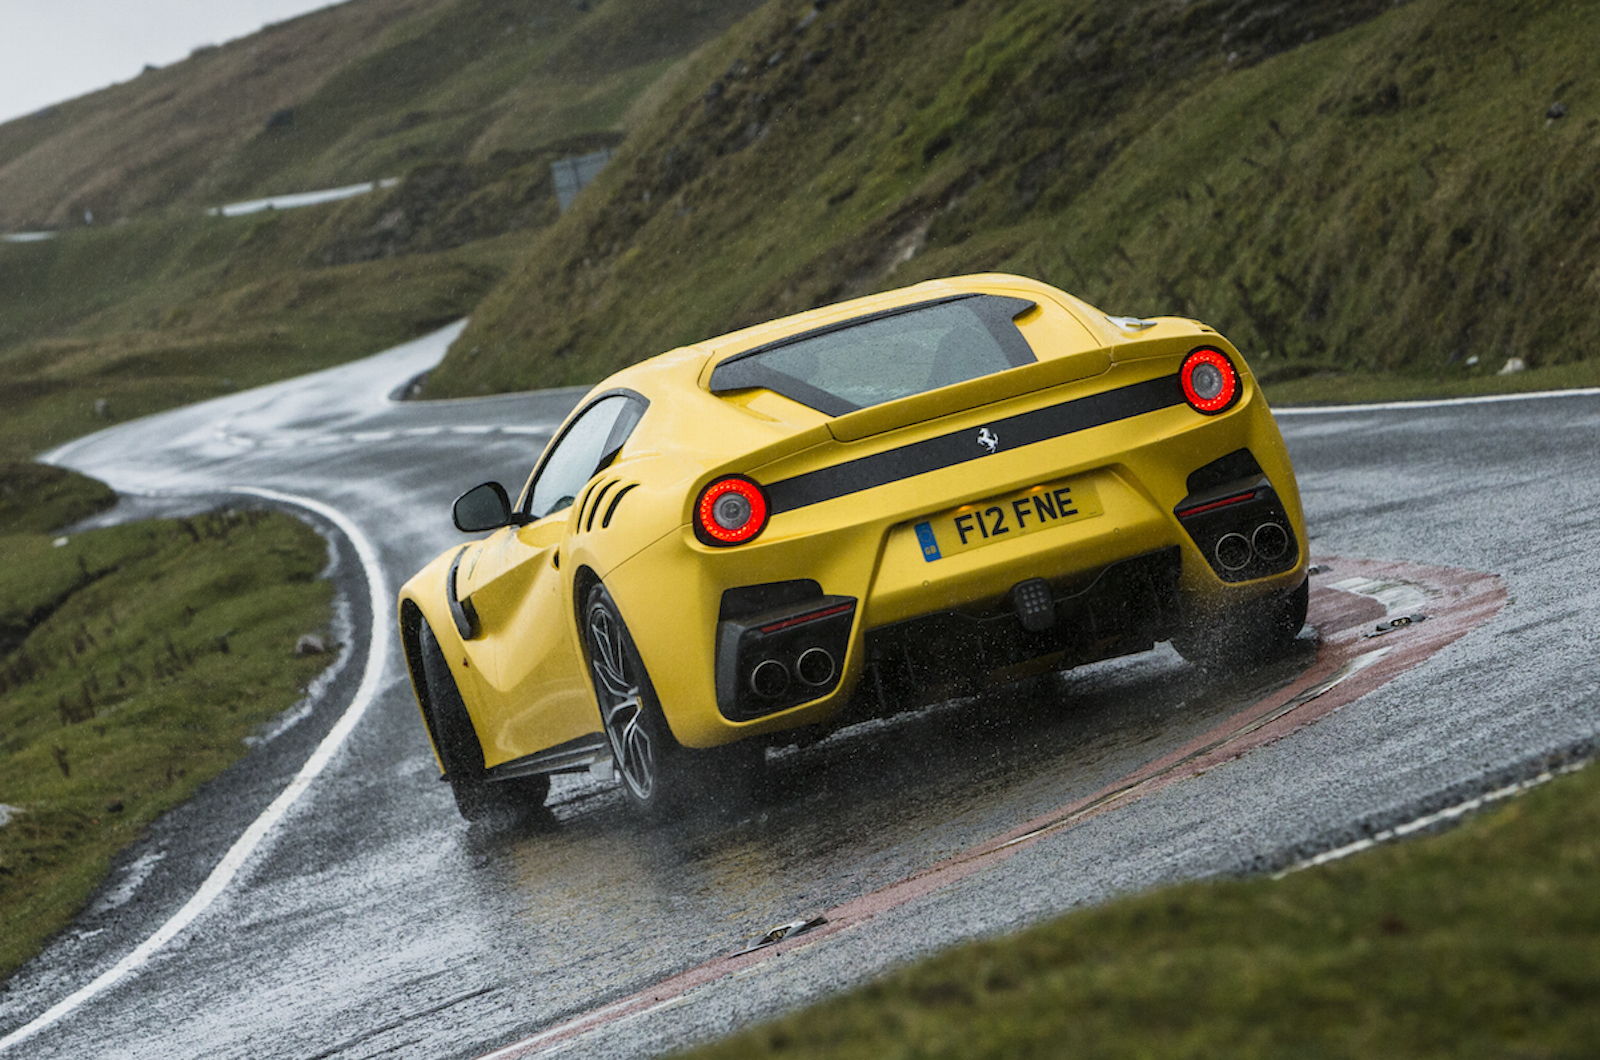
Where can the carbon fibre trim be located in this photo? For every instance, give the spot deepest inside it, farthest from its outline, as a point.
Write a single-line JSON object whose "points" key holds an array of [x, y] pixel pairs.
{"points": [[574, 756], [462, 613], [958, 447]]}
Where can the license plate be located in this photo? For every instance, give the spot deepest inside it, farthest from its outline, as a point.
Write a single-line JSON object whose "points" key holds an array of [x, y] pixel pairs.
{"points": [[1006, 518]]}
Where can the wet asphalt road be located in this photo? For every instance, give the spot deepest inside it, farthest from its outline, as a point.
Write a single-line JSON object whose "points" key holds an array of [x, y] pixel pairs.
{"points": [[374, 922]]}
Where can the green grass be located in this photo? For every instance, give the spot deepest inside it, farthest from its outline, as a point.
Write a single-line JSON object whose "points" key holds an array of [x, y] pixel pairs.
{"points": [[1342, 388], [134, 661], [163, 312], [37, 498], [1481, 942], [157, 305], [1388, 198]]}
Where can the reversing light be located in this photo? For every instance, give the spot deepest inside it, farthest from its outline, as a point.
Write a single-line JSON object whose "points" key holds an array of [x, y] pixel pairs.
{"points": [[1210, 383], [730, 511]]}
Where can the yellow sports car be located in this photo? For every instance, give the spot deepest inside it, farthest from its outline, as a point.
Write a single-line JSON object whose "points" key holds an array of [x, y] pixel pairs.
{"points": [[844, 512]]}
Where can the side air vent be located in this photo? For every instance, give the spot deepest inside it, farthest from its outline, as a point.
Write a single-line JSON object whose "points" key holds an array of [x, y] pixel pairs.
{"points": [[616, 499], [602, 495], [462, 612], [590, 492], [599, 498]]}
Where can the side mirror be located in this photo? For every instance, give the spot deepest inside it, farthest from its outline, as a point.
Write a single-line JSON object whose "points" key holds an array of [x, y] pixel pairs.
{"points": [[481, 508]]}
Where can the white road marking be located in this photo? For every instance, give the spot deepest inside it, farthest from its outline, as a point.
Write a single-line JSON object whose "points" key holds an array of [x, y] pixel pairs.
{"points": [[1436, 403], [1427, 821], [239, 853]]}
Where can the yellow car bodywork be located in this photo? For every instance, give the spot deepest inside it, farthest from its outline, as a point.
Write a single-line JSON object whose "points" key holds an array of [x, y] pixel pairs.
{"points": [[523, 674]]}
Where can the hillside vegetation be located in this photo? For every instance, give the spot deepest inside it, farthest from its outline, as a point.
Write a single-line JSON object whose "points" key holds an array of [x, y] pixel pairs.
{"points": [[1343, 186], [155, 303], [1337, 184], [362, 90], [136, 663]]}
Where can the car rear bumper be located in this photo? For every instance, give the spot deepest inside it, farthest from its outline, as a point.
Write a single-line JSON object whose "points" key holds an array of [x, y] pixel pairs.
{"points": [[1125, 607], [1119, 578]]}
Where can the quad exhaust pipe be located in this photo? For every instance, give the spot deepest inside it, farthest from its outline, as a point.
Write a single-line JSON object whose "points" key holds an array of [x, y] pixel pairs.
{"points": [[1240, 525], [783, 655], [769, 679], [1268, 542], [815, 668]]}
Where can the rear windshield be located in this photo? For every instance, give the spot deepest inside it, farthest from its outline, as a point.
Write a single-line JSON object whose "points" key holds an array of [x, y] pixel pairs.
{"points": [[867, 361]]}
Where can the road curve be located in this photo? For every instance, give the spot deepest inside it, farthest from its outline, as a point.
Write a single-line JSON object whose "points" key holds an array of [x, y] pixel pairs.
{"points": [[369, 920]]}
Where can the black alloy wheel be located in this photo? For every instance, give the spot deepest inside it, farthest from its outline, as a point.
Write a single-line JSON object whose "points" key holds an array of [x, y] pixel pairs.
{"points": [[477, 796]]}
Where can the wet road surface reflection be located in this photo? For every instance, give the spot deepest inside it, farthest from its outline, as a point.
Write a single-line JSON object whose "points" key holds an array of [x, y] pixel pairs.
{"points": [[868, 806]]}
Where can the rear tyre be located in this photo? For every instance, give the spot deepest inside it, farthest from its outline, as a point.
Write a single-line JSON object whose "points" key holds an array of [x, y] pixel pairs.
{"points": [[658, 774], [477, 797], [1259, 632]]}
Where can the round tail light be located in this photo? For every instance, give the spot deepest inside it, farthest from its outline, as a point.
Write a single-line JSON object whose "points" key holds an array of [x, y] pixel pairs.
{"points": [[1210, 383], [730, 511]]}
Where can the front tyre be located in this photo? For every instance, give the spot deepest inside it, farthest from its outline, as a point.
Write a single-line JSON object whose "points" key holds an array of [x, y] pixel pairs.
{"points": [[477, 797]]}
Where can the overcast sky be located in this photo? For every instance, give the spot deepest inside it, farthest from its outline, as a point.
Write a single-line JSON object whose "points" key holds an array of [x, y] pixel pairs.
{"points": [[55, 50]]}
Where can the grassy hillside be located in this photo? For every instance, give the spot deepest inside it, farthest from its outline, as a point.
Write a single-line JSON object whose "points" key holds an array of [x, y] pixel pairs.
{"points": [[1338, 184], [152, 140], [1341, 185], [136, 662], [156, 304], [362, 90]]}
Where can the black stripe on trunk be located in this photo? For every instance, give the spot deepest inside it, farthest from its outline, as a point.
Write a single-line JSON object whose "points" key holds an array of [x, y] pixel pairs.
{"points": [[958, 447]]}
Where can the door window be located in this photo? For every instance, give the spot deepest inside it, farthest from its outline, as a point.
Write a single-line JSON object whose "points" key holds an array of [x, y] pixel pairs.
{"points": [[575, 456]]}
